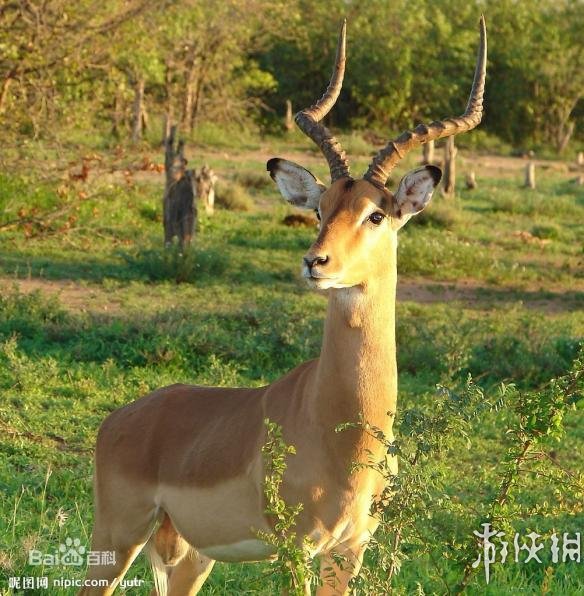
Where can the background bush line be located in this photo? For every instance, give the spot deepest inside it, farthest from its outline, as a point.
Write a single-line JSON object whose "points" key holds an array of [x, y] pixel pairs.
{"points": [[236, 64]]}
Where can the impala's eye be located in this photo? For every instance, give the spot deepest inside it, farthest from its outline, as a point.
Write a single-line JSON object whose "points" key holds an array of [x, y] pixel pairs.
{"points": [[376, 218], [317, 214]]}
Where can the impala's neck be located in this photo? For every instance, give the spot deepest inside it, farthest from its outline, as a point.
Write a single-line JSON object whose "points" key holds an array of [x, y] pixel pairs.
{"points": [[357, 371]]}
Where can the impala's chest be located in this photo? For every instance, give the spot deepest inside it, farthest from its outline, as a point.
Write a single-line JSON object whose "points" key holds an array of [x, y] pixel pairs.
{"points": [[344, 519], [339, 513]]}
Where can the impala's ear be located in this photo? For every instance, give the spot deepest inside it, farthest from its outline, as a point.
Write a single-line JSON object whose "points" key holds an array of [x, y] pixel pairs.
{"points": [[414, 193], [297, 185]]}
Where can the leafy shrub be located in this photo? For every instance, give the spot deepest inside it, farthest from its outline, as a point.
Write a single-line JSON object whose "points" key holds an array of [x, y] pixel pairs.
{"points": [[424, 512], [546, 231], [150, 212], [29, 314], [438, 215], [442, 343], [233, 197], [355, 144], [255, 180], [293, 562]]}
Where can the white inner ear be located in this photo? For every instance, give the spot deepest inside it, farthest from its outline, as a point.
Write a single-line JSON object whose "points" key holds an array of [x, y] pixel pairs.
{"points": [[414, 192], [297, 185]]}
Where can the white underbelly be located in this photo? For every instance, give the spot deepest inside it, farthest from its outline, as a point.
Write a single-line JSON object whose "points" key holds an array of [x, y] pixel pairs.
{"points": [[245, 550]]}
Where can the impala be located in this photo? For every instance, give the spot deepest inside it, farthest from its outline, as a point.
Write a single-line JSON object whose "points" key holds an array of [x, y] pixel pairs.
{"points": [[180, 470]]}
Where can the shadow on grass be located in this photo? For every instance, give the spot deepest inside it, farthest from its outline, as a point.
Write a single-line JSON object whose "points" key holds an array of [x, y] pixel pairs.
{"points": [[254, 339], [268, 337], [199, 266], [484, 297]]}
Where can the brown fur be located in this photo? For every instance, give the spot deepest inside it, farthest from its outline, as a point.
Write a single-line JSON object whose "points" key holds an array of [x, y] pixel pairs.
{"points": [[219, 421]]}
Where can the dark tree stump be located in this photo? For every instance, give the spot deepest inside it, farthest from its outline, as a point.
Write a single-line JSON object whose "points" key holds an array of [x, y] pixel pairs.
{"points": [[179, 210]]}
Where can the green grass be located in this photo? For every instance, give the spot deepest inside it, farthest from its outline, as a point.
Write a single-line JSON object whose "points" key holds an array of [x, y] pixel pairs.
{"points": [[234, 311]]}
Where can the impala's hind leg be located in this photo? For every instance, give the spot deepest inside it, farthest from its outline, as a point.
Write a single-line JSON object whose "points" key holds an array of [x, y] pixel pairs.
{"points": [[188, 576], [124, 519], [117, 548], [178, 568]]}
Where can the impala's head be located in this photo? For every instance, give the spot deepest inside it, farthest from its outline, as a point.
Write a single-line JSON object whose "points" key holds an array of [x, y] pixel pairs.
{"points": [[359, 218]]}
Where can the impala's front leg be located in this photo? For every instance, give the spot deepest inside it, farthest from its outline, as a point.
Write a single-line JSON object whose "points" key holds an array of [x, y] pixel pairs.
{"points": [[335, 576]]}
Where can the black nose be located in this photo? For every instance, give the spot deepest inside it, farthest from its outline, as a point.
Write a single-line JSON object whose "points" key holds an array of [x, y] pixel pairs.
{"points": [[312, 261]]}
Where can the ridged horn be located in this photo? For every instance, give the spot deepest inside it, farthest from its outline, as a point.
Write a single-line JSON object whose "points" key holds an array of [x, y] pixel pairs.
{"points": [[309, 120], [384, 162]]}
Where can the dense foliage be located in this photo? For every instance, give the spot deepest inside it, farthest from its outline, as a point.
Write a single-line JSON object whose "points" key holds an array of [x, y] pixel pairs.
{"points": [[87, 64]]}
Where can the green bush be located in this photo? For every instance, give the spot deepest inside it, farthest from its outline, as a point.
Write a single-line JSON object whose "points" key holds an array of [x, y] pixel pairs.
{"points": [[546, 231], [150, 212], [438, 215], [255, 180], [354, 144], [233, 196]]}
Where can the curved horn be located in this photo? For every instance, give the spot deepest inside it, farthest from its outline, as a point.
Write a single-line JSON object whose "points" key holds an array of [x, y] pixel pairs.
{"points": [[395, 150], [308, 120]]}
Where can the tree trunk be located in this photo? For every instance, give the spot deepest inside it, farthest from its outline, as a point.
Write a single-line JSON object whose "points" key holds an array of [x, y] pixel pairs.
{"points": [[580, 159], [530, 175], [117, 115], [145, 119], [566, 136], [189, 97], [288, 120], [428, 153], [168, 116], [4, 92], [471, 181], [169, 155], [199, 93], [450, 152], [137, 112], [166, 127]]}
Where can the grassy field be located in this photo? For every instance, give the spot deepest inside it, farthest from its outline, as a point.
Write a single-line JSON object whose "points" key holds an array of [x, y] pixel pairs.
{"points": [[94, 313]]}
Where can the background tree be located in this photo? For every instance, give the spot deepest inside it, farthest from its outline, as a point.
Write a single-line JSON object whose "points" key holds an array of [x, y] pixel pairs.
{"points": [[97, 64]]}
